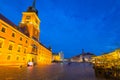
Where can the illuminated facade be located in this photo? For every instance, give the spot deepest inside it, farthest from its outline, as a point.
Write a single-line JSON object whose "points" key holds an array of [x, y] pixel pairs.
{"points": [[108, 59], [58, 57], [83, 57], [20, 45]]}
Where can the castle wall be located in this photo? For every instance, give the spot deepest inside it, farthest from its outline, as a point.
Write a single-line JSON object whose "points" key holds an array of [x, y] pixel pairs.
{"points": [[18, 49]]}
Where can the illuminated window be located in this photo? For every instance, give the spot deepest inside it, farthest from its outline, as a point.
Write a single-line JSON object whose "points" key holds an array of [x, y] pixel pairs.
{"points": [[8, 58], [13, 34], [3, 29], [20, 38], [10, 47]]}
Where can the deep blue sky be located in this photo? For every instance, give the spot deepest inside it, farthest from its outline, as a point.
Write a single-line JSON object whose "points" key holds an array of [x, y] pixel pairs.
{"points": [[70, 25]]}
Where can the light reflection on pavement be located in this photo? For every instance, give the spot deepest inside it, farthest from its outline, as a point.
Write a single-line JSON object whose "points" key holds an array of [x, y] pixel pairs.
{"points": [[74, 71]]}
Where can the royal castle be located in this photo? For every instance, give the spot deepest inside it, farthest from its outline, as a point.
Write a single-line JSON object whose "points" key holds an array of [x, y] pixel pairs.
{"points": [[20, 44]]}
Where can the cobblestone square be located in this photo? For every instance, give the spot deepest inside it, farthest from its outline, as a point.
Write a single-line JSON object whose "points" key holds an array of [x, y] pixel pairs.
{"points": [[74, 71]]}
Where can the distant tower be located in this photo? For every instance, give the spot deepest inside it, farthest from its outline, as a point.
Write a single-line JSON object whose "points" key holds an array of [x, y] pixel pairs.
{"points": [[61, 56], [30, 22], [83, 54]]}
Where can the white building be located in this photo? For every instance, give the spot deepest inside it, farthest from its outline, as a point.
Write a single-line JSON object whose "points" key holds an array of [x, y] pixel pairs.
{"points": [[83, 57]]}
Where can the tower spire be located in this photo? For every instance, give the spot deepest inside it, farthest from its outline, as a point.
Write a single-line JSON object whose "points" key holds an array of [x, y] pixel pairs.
{"points": [[83, 51], [32, 8], [34, 2]]}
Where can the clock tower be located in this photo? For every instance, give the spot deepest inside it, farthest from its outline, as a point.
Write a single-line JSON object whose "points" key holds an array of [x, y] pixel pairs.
{"points": [[30, 22]]}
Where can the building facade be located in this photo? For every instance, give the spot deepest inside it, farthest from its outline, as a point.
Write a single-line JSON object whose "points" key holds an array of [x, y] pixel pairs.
{"points": [[58, 56], [20, 44], [109, 59], [83, 57]]}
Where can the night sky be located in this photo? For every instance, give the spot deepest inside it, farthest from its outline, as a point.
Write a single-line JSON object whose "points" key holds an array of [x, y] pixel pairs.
{"points": [[72, 25]]}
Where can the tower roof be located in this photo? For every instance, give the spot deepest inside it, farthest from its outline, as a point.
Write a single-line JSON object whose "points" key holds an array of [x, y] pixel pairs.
{"points": [[32, 8]]}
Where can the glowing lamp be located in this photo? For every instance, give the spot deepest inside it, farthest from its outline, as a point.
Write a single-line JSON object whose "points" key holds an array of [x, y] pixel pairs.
{"points": [[30, 63]]}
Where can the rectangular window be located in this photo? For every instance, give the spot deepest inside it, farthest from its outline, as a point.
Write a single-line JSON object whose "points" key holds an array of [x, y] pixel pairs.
{"points": [[1, 42], [10, 47], [13, 34], [3, 29], [20, 38], [19, 48]]}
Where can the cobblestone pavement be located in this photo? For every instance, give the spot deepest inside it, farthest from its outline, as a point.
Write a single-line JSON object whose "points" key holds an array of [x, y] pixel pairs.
{"points": [[74, 71]]}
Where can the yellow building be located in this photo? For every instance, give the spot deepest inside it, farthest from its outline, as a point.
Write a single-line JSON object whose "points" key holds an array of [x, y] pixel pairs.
{"points": [[108, 60], [20, 45], [58, 57]]}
